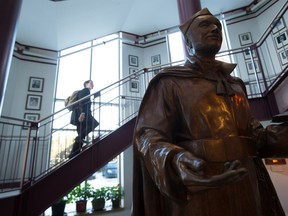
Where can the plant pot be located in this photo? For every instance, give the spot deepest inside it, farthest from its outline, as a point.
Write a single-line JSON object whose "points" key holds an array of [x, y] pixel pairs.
{"points": [[58, 208], [98, 204], [116, 203], [81, 206]]}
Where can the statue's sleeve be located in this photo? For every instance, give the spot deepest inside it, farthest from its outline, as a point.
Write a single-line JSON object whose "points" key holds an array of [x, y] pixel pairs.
{"points": [[157, 120], [275, 141], [271, 141]]}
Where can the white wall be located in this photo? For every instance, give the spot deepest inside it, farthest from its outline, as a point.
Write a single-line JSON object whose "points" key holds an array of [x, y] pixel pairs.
{"points": [[14, 105], [17, 87], [159, 49], [256, 24]]}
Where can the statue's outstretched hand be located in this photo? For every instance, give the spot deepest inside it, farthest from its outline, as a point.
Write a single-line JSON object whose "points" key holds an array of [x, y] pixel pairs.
{"points": [[191, 171]]}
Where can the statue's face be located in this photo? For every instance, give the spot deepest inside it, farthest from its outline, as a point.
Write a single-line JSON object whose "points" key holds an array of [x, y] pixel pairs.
{"points": [[206, 35]]}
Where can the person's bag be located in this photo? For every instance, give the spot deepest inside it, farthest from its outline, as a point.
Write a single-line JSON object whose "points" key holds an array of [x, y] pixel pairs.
{"points": [[71, 99]]}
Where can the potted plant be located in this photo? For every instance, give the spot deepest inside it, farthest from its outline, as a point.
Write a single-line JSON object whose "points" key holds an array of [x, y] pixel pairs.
{"points": [[115, 194], [99, 197], [79, 195], [59, 207]]}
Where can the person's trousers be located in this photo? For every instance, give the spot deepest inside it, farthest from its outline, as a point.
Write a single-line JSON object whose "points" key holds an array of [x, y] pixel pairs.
{"points": [[83, 129]]}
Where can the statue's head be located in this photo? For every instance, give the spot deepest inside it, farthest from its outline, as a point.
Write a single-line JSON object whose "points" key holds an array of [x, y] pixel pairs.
{"points": [[202, 33]]}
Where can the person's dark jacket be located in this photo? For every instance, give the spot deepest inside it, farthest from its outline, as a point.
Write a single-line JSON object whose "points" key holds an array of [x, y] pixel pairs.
{"points": [[83, 107]]}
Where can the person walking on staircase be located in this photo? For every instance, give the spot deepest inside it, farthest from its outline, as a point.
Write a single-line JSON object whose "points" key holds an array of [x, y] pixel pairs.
{"points": [[82, 118]]}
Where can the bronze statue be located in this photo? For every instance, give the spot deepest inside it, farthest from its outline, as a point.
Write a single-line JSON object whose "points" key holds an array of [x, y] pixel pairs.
{"points": [[196, 145]]}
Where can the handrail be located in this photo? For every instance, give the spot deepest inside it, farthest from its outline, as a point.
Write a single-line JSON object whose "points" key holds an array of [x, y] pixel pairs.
{"points": [[272, 25], [263, 37]]}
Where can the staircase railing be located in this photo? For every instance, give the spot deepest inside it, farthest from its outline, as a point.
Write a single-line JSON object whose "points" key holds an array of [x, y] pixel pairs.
{"points": [[30, 149], [261, 65]]}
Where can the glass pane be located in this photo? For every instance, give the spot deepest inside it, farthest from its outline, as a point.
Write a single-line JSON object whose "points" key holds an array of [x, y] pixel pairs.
{"points": [[75, 48], [74, 70], [176, 47], [105, 64]]}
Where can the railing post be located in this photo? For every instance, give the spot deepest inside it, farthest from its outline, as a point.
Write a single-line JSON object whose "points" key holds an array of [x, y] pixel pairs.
{"points": [[33, 126]]}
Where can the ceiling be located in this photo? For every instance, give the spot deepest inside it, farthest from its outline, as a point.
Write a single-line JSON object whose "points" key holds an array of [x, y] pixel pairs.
{"points": [[59, 25]]}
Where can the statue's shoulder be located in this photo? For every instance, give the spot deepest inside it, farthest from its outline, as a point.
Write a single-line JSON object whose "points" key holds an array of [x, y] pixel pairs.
{"points": [[177, 71], [237, 80]]}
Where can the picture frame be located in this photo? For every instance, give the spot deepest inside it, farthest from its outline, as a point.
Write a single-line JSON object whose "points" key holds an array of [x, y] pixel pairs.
{"points": [[245, 38], [278, 26], [156, 71], [281, 39], [134, 86], [133, 60], [36, 84], [283, 56], [155, 60], [30, 117], [133, 71], [246, 53], [250, 68], [33, 102]]}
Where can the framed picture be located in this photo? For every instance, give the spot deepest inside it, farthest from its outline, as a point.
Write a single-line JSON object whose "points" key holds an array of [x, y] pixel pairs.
{"points": [[33, 102], [247, 54], [36, 84], [278, 26], [283, 56], [245, 38], [133, 60], [250, 67], [156, 71], [30, 117], [133, 71], [134, 86], [155, 60], [281, 39]]}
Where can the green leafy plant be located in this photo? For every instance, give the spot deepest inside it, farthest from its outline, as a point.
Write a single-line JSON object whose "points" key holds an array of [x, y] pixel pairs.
{"points": [[99, 196], [80, 193], [115, 192], [100, 193]]}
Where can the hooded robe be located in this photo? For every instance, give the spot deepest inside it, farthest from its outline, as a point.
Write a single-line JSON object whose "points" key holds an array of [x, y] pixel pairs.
{"points": [[202, 109]]}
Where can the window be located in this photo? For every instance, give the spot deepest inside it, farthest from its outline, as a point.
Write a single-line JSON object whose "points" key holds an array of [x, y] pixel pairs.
{"points": [[99, 61], [176, 47]]}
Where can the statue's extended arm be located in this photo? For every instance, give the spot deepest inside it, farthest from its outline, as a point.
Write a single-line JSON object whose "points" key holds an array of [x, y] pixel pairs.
{"points": [[190, 170]]}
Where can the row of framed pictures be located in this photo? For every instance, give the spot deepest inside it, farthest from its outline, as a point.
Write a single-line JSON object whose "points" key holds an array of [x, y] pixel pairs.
{"points": [[134, 82], [251, 61], [281, 40], [33, 100], [134, 62], [279, 33]]}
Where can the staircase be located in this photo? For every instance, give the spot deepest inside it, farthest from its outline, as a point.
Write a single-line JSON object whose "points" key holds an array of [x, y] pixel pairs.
{"points": [[36, 198]]}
